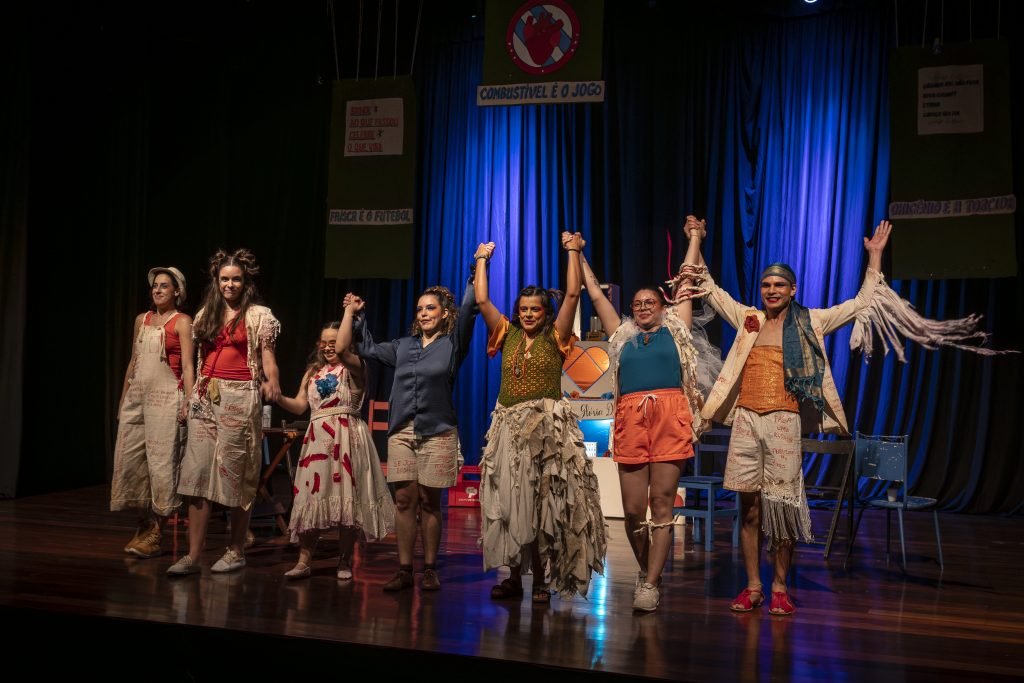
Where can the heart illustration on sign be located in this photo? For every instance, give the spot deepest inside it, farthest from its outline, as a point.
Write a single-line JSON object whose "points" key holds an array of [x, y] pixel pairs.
{"points": [[585, 366], [542, 36]]}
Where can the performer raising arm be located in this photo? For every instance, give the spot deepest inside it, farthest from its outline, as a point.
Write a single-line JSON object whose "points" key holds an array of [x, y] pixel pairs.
{"points": [[538, 494], [423, 437], [777, 384], [339, 480], [661, 373]]}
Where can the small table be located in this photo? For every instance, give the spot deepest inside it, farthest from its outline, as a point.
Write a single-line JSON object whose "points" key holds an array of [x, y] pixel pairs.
{"points": [[288, 436]]}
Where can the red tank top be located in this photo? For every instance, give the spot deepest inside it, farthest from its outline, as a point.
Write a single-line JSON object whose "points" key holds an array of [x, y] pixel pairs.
{"points": [[228, 356], [172, 344]]}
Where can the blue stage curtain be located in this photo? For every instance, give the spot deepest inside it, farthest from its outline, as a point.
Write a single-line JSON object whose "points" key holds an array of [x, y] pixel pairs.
{"points": [[776, 130], [517, 176]]}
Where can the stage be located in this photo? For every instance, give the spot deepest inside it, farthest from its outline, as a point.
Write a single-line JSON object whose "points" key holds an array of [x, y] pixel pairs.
{"points": [[65, 584]]}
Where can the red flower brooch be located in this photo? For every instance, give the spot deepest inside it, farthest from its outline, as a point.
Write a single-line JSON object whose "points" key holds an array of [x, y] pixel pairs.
{"points": [[751, 323]]}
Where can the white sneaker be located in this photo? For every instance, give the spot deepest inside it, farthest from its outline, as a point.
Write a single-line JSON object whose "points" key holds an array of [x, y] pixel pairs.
{"points": [[229, 562], [186, 565], [641, 579], [647, 598]]}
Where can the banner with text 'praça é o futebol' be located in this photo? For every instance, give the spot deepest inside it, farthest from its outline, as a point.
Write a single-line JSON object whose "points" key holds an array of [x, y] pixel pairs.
{"points": [[371, 187]]}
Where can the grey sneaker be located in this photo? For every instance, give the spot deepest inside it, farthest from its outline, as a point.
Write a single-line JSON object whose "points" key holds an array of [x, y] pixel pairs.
{"points": [[186, 565], [229, 562], [647, 598]]}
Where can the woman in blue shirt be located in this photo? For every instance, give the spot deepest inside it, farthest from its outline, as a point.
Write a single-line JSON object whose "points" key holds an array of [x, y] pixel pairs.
{"points": [[423, 439]]}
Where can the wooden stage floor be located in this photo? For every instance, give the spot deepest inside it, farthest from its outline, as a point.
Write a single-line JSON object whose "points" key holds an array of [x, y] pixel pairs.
{"points": [[65, 579]]}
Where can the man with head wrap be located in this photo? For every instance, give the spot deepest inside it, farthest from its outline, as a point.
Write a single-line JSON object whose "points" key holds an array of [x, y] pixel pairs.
{"points": [[775, 385]]}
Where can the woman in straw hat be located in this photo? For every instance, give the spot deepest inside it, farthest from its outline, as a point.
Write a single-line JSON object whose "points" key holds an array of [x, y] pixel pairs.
{"points": [[152, 410]]}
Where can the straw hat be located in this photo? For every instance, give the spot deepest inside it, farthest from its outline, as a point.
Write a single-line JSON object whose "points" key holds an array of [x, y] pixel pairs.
{"points": [[175, 274]]}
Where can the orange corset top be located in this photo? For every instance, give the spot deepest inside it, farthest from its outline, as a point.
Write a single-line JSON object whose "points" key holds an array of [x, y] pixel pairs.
{"points": [[762, 388]]}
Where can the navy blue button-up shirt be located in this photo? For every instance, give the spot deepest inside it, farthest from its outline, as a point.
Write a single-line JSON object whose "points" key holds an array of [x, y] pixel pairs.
{"points": [[424, 377]]}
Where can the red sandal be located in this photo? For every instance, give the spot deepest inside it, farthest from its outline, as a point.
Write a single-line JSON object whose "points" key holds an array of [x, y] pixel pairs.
{"points": [[744, 602], [781, 605]]}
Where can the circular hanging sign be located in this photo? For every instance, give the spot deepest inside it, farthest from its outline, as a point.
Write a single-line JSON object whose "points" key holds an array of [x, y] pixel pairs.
{"points": [[542, 36]]}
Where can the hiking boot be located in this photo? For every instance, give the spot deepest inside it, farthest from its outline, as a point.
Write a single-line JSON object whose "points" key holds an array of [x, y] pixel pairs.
{"points": [[148, 545]]}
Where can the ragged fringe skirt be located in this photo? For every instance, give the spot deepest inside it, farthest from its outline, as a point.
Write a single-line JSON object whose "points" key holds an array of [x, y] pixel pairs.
{"points": [[537, 486]]}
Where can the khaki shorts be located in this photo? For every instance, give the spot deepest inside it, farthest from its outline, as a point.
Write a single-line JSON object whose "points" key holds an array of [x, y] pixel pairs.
{"points": [[429, 460], [764, 453]]}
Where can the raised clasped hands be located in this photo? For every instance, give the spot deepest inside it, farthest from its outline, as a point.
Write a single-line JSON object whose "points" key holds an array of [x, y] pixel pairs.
{"points": [[693, 224], [485, 250], [354, 302], [573, 241]]}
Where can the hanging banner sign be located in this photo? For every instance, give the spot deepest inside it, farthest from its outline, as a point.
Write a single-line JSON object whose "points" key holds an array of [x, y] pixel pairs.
{"points": [[951, 165], [542, 52], [371, 186], [374, 128]]}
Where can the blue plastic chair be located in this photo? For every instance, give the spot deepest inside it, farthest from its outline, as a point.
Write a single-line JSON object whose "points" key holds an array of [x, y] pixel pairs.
{"points": [[884, 458], [708, 511]]}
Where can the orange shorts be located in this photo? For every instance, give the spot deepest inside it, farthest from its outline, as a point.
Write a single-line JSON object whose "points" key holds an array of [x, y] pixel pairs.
{"points": [[652, 426]]}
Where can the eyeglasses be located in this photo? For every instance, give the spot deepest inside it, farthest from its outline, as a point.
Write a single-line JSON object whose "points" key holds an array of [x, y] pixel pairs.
{"points": [[644, 303]]}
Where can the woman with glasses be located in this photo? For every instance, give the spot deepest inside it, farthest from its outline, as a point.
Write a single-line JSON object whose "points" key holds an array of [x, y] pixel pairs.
{"points": [[661, 371], [538, 493], [338, 481]]}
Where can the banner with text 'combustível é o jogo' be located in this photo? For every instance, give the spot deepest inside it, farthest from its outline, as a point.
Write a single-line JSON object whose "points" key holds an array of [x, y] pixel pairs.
{"points": [[371, 187], [542, 52], [952, 198]]}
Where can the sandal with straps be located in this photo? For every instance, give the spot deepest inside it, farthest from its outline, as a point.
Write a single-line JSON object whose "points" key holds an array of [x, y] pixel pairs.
{"points": [[745, 602], [781, 605], [541, 596], [506, 590]]}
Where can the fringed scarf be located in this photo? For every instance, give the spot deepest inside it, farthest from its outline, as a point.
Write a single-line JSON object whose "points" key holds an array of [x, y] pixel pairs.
{"points": [[803, 361]]}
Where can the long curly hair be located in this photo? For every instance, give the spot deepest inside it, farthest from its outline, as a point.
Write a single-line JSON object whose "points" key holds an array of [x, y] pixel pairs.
{"points": [[551, 298], [209, 324], [446, 300]]}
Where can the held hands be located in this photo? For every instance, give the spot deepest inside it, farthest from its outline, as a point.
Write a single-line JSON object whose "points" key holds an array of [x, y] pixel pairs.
{"points": [[695, 225], [881, 238], [353, 302], [484, 251], [271, 391], [573, 241]]}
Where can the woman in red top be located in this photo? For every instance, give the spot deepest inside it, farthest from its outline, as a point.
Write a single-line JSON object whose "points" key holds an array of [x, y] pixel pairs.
{"points": [[236, 338], [151, 411]]}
